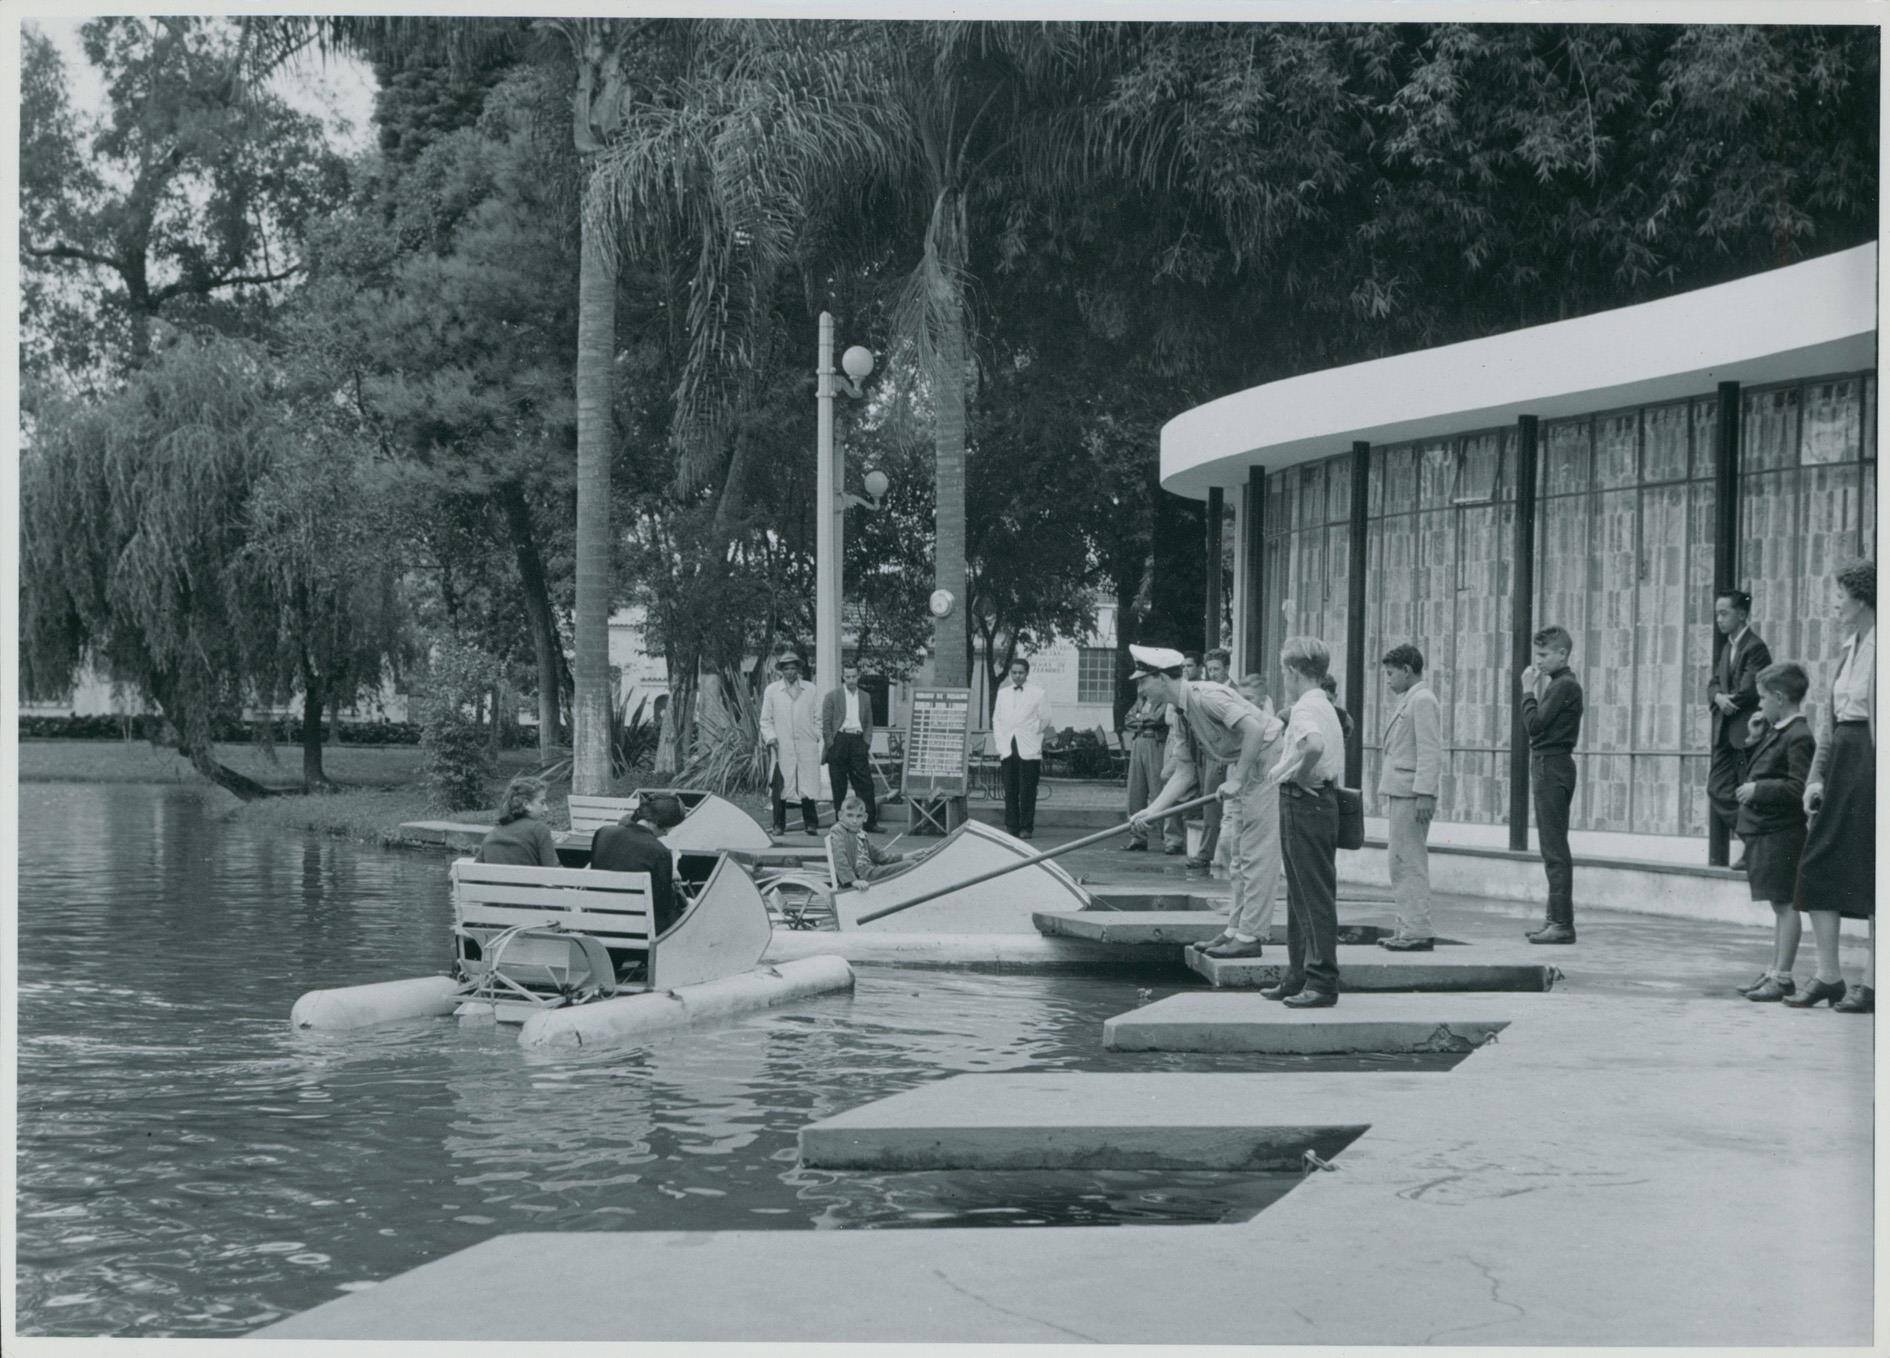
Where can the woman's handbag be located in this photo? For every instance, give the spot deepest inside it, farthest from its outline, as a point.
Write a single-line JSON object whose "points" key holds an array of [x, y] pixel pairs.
{"points": [[1351, 818]]}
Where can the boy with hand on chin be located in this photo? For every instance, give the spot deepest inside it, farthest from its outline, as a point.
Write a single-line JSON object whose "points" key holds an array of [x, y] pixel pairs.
{"points": [[1552, 715]]}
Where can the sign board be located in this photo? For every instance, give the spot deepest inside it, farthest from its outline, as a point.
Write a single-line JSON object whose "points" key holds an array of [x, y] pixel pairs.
{"points": [[938, 742]]}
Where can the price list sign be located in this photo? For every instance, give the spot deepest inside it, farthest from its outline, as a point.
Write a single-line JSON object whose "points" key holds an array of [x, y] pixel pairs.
{"points": [[938, 742]]}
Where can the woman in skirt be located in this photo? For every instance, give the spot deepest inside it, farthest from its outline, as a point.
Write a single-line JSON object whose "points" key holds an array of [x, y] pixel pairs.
{"points": [[1837, 877]]}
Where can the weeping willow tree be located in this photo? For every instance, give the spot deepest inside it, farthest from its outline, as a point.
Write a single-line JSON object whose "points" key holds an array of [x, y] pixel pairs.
{"points": [[134, 519]]}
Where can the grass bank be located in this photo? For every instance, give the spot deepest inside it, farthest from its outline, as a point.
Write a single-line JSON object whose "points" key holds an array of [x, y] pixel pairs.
{"points": [[378, 787]]}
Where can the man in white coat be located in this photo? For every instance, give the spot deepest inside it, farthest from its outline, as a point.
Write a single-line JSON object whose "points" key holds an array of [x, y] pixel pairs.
{"points": [[1408, 782], [790, 728], [1018, 723]]}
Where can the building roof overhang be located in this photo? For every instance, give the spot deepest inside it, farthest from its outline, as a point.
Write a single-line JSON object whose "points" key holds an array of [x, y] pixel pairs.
{"points": [[1802, 320]]}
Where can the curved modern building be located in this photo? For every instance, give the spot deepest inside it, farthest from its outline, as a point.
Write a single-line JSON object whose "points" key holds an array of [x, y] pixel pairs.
{"points": [[1607, 473]]}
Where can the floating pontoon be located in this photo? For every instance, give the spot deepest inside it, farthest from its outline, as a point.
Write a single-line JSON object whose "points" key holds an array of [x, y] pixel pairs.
{"points": [[531, 940]]}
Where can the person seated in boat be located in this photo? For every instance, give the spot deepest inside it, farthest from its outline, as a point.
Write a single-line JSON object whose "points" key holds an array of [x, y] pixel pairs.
{"points": [[634, 844], [520, 838], [856, 859]]}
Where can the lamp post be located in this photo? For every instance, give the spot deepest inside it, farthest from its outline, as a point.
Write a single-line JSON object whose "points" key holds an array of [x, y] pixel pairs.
{"points": [[830, 497]]}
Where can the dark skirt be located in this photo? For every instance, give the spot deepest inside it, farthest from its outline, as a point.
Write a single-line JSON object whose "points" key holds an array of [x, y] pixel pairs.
{"points": [[1839, 868], [1772, 864]]}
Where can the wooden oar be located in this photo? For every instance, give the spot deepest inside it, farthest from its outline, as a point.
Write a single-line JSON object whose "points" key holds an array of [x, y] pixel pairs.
{"points": [[1047, 854]]}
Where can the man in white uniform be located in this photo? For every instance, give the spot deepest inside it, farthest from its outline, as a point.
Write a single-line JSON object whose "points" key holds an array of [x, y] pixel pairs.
{"points": [[1212, 722], [790, 728]]}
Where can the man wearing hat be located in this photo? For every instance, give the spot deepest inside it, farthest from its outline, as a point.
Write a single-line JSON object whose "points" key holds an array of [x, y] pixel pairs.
{"points": [[1214, 723], [790, 728]]}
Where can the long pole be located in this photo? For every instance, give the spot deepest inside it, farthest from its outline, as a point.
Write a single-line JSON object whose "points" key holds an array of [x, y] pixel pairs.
{"points": [[1522, 591], [1047, 854], [826, 538]]}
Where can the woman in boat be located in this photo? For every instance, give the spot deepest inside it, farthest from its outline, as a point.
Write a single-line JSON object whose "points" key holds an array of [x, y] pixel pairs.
{"points": [[856, 858], [633, 845], [521, 836]]}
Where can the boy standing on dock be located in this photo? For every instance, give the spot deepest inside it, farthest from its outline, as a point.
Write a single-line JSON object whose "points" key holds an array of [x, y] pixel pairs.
{"points": [[1552, 715]]}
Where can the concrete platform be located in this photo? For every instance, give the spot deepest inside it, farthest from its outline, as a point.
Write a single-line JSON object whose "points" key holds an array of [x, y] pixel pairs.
{"points": [[1373, 969], [1591, 1179], [1243, 1022], [1065, 1120], [1138, 927]]}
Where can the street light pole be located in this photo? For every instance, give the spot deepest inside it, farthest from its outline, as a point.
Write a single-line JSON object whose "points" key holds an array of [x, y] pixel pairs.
{"points": [[827, 523], [831, 498]]}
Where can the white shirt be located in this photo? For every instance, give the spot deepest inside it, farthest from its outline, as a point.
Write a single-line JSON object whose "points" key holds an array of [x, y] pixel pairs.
{"points": [[1857, 673], [851, 722], [1021, 715], [1312, 711]]}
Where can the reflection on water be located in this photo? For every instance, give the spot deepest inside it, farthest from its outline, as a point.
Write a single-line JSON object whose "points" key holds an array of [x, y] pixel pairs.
{"points": [[188, 1165]]}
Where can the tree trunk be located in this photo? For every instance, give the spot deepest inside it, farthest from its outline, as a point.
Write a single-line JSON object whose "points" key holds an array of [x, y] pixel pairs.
{"points": [[314, 698], [544, 628], [597, 338], [223, 776], [951, 639]]}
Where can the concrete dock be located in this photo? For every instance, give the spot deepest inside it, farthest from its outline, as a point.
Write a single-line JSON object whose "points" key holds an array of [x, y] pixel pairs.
{"points": [[1242, 1021], [1641, 1158]]}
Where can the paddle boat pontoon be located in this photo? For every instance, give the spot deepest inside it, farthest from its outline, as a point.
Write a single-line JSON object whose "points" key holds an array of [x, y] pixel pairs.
{"points": [[529, 940]]}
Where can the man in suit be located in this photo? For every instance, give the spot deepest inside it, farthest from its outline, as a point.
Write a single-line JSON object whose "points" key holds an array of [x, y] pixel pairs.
{"points": [[1408, 781], [846, 729], [634, 844], [1733, 692], [1019, 722]]}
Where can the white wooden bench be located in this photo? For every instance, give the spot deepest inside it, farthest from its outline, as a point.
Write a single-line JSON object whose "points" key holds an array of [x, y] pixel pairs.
{"points": [[723, 930], [710, 823], [591, 814]]}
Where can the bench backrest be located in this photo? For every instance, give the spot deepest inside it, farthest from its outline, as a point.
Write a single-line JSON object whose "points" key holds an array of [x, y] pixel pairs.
{"points": [[613, 907], [590, 814]]}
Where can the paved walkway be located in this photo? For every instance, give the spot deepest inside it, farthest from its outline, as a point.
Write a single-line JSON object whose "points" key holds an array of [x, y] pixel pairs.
{"points": [[1641, 1158]]}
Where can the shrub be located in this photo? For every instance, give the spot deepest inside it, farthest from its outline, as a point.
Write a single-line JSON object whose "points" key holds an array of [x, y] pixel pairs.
{"points": [[456, 759]]}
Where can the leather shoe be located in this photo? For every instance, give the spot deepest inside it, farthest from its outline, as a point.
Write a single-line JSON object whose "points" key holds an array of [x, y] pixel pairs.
{"points": [[1234, 947], [1133, 847], [1407, 944], [1203, 944], [1283, 991], [1311, 999], [1859, 999], [1816, 993], [1775, 989], [1755, 983], [1174, 850], [1552, 933]]}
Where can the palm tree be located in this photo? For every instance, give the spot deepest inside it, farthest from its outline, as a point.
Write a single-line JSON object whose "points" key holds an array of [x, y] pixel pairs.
{"points": [[599, 50]]}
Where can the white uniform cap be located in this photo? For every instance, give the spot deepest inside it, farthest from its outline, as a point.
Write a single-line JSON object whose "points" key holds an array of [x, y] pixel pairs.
{"points": [[1156, 660]]}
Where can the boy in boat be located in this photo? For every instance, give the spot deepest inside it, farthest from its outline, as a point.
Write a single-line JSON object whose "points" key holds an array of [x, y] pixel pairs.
{"points": [[855, 857], [632, 845]]}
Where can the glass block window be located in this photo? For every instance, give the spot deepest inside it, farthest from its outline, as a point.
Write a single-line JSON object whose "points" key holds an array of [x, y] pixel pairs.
{"points": [[1096, 674], [1626, 506]]}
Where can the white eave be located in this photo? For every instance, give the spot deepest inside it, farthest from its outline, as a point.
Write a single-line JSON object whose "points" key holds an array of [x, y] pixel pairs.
{"points": [[1803, 320]]}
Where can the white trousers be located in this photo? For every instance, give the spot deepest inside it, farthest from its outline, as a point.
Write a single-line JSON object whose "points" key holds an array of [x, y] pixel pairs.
{"points": [[1410, 866]]}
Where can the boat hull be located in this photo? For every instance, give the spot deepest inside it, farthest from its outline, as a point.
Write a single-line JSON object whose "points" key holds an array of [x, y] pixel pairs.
{"points": [[969, 851]]}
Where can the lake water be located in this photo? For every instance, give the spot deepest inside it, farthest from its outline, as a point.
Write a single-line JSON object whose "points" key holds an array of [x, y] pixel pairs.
{"points": [[188, 1165]]}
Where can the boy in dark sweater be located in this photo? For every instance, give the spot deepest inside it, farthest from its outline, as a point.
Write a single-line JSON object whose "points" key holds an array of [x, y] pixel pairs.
{"points": [[1552, 715], [1772, 816]]}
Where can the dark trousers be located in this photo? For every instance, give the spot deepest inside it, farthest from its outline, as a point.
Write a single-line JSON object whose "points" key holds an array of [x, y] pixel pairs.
{"points": [[810, 814], [1552, 787], [1309, 843], [1723, 777], [1020, 792], [847, 764]]}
